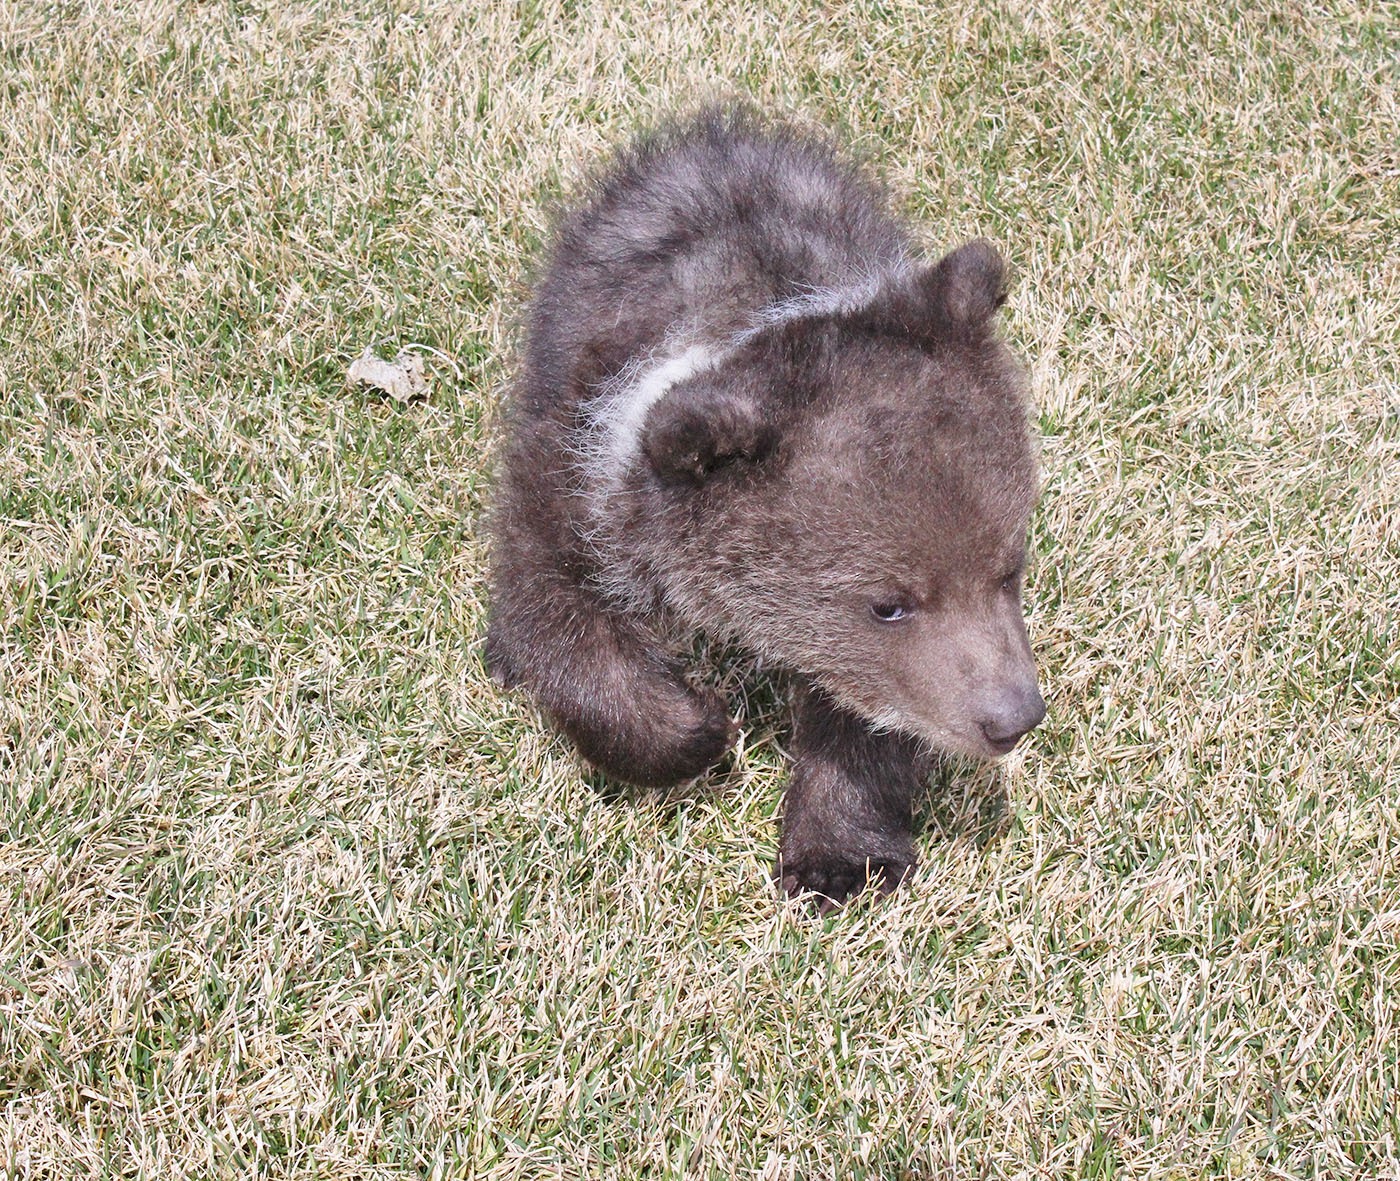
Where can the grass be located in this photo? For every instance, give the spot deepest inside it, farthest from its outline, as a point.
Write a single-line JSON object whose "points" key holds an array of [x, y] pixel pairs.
{"points": [[288, 889]]}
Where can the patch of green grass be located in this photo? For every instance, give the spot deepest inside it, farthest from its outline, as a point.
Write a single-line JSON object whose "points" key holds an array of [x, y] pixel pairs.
{"points": [[289, 888]]}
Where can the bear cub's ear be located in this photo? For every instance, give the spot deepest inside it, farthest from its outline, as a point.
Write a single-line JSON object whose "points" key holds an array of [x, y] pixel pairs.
{"points": [[965, 287], [698, 429]]}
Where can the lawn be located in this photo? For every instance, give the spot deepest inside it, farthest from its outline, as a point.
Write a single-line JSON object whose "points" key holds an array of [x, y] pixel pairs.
{"points": [[289, 888]]}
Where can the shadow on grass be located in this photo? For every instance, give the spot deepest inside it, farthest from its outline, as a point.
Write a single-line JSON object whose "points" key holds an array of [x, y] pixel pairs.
{"points": [[965, 800]]}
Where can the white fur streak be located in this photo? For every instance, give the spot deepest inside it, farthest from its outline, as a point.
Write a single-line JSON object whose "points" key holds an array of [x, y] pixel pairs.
{"points": [[612, 439], [618, 415], [813, 304]]}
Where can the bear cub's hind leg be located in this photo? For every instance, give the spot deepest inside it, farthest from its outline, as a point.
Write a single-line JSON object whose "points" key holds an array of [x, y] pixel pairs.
{"points": [[847, 813]]}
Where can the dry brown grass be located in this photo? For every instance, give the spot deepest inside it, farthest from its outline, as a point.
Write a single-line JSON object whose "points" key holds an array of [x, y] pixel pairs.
{"points": [[288, 889]]}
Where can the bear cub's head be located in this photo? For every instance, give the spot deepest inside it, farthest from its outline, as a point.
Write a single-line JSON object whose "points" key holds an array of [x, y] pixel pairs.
{"points": [[849, 492]]}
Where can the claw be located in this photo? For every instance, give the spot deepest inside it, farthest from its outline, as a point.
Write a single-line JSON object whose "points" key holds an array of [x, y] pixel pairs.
{"points": [[834, 883]]}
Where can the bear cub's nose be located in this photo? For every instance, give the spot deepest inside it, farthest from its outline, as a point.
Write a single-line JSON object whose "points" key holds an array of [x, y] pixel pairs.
{"points": [[1017, 713]]}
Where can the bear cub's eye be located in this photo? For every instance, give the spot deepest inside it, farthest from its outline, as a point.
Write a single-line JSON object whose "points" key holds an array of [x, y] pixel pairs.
{"points": [[891, 612]]}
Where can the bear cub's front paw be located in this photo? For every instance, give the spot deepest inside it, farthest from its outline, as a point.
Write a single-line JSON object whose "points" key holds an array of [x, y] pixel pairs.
{"points": [[831, 880], [675, 737], [700, 737]]}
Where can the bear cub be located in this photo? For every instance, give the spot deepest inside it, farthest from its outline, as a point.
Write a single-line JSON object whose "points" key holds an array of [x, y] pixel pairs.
{"points": [[747, 409]]}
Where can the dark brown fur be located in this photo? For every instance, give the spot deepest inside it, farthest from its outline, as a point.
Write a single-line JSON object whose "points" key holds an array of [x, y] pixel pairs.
{"points": [[837, 474]]}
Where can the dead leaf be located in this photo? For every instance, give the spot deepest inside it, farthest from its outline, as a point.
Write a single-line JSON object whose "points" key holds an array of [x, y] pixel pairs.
{"points": [[402, 378]]}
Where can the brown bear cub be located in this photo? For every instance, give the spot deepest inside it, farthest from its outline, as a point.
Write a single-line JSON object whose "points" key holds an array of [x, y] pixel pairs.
{"points": [[747, 409]]}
